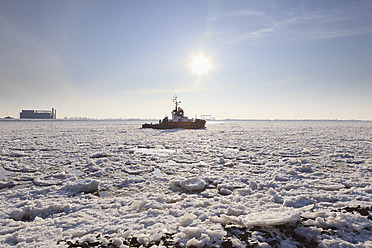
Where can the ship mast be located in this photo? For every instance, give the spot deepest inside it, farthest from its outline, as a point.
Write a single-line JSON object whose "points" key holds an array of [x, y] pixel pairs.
{"points": [[176, 102]]}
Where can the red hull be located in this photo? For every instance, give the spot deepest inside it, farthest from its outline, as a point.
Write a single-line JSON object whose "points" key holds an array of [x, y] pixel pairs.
{"points": [[197, 124]]}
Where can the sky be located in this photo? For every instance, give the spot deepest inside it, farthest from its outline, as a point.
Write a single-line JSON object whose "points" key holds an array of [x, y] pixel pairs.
{"points": [[286, 59]]}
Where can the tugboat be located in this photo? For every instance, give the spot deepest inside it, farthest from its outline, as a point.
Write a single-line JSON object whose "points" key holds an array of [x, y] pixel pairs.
{"points": [[179, 120]]}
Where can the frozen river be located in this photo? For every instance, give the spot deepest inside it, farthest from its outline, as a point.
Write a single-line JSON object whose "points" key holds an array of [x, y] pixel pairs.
{"points": [[239, 184]]}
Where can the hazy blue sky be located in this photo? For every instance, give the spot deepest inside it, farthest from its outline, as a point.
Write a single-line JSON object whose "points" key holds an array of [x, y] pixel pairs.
{"points": [[270, 59]]}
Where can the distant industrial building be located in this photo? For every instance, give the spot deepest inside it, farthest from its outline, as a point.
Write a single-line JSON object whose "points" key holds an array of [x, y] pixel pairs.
{"points": [[207, 117], [38, 114]]}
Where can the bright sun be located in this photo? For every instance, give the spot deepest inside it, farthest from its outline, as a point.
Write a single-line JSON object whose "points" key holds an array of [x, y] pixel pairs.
{"points": [[200, 65]]}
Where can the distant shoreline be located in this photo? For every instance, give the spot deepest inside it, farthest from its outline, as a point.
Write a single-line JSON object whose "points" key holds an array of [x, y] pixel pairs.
{"points": [[216, 120]]}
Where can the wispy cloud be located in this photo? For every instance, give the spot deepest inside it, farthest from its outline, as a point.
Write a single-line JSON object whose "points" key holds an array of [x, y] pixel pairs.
{"points": [[309, 93], [282, 81], [235, 39], [169, 91], [328, 34], [244, 13], [302, 22]]}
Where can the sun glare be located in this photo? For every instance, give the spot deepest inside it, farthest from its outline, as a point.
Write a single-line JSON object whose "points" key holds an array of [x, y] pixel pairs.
{"points": [[200, 65]]}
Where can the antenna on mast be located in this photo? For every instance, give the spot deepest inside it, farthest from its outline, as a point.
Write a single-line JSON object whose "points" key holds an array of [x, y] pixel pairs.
{"points": [[175, 101]]}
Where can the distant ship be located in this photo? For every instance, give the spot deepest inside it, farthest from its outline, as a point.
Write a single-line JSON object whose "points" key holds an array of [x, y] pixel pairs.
{"points": [[179, 120]]}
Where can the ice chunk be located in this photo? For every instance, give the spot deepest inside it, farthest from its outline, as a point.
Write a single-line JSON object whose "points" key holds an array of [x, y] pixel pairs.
{"points": [[272, 218], [136, 170], [86, 186], [201, 235], [100, 155], [38, 210], [6, 184], [16, 154], [224, 191], [193, 184], [48, 180], [204, 239], [234, 211], [20, 167], [187, 219], [253, 185], [117, 242], [306, 168], [297, 201], [145, 205]]}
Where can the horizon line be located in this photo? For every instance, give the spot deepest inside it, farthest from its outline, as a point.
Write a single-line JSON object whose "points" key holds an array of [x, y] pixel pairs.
{"points": [[155, 119]]}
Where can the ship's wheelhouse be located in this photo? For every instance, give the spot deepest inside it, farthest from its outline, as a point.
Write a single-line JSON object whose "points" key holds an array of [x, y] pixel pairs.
{"points": [[178, 115]]}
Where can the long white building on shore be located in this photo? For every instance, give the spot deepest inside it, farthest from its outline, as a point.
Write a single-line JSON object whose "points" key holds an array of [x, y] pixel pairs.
{"points": [[38, 114]]}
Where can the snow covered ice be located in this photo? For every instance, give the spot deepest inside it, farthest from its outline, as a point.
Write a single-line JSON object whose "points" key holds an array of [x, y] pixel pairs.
{"points": [[233, 184]]}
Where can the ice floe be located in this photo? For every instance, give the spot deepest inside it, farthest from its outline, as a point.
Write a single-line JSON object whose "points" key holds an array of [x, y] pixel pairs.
{"points": [[233, 184]]}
